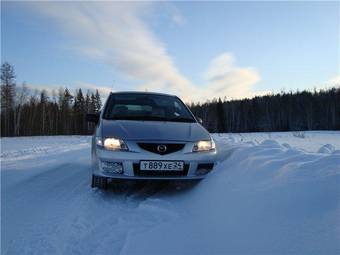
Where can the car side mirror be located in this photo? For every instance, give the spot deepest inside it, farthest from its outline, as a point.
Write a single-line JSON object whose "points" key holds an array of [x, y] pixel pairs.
{"points": [[199, 120], [92, 117]]}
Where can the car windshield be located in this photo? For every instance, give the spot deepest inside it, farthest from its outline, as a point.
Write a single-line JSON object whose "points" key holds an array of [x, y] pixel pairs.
{"points": [[146, 107]]}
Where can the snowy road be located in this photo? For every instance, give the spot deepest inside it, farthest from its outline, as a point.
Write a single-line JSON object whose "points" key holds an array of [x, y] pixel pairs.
{"points": [[271, 193]]}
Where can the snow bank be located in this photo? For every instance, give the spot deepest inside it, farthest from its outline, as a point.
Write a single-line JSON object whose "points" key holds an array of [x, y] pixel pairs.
{"points": [[264, 199], [309, 141]]}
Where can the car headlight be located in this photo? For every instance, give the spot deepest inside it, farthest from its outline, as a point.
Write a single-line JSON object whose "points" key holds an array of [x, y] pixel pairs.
{"points": [[112, 144], [204, 145]]}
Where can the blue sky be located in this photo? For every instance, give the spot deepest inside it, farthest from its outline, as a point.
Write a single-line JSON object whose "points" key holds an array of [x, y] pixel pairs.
{"points": [[198, 50]]}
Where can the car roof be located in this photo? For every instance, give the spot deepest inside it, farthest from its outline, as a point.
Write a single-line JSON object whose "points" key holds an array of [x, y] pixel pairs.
{"points": [[141, 93]]}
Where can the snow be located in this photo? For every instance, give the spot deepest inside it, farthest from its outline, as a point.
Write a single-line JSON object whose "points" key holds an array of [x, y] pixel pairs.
{"points": [[270, 193], [309, 141]]}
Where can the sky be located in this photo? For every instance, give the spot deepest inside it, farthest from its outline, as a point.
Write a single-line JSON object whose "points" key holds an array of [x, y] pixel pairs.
{"points": [[196, 50]]}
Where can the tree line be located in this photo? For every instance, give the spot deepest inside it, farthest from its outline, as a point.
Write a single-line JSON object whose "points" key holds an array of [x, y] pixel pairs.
{"points": [[317, 110], [26, 113]]}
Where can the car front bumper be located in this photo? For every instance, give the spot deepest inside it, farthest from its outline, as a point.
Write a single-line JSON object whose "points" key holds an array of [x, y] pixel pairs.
{"points": [[196, 165]]}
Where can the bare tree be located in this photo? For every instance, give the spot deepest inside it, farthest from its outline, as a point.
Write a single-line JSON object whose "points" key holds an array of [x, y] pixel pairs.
{"points": [[22, 95], [7, 98]]}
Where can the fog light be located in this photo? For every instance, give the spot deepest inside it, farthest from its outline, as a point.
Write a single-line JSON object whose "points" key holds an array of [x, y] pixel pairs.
{"points": [[203, 169], [112, 167]]}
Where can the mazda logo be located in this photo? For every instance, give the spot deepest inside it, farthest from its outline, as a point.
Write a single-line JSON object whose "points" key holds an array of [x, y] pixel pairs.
{"points": [[161, 148]]}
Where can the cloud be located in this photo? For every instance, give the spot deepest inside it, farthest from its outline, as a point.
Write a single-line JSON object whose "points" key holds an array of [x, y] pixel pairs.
{"points": [[334, 82], [175, 15], [116, 34], [178, 19], [225, 78]]}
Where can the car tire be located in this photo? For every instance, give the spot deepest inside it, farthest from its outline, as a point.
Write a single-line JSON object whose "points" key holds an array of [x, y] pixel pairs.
{"points": [[99, 182]]}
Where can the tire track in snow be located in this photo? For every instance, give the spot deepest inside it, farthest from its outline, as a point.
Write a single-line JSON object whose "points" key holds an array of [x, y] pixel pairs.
{"points": [[106, 230]]}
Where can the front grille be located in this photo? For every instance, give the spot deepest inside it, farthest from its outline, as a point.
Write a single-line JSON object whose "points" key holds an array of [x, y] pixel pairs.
{"points": [[170, 147], [149, 173]]}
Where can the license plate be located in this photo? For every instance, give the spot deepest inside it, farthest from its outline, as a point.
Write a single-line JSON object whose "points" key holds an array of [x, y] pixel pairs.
{"points": [[161, 165]]}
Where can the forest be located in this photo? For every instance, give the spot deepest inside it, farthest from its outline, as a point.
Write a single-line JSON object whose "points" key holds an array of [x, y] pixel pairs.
{"points": [[317, 110], [27, 113]]}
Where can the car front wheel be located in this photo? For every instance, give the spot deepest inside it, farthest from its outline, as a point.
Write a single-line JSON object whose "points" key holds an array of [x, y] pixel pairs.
{"points": [[99, 182]]}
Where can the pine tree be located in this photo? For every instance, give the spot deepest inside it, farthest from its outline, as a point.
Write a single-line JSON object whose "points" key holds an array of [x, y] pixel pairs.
{"points": [[66, 113], [221, 118], [93, 103], [79, 112], [87, 102], [98, 102], [42, 110]]}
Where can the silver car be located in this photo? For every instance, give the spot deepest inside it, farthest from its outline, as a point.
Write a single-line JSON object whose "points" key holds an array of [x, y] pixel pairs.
{"points": [[142, 135]]}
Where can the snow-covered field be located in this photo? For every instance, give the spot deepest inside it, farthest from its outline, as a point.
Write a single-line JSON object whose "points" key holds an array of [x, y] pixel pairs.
{"points": [[271, 193]]}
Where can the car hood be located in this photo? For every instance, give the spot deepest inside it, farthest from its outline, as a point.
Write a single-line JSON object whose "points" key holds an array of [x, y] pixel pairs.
{"points": [[154, 130]]}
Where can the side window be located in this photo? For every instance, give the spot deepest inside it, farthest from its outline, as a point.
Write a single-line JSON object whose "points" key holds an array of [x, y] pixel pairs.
{"points": [[178, 109]]}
